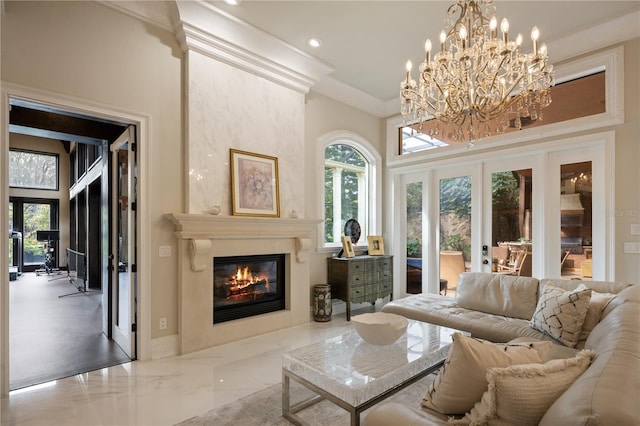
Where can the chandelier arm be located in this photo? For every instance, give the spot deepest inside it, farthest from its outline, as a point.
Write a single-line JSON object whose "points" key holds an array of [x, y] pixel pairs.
{"points": [[477, 76]]}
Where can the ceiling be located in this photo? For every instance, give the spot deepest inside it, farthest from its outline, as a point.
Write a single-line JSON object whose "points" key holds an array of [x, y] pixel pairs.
{"points": [[369, 42]]}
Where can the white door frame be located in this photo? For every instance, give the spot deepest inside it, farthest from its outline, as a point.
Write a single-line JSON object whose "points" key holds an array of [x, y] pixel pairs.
{"points": [[84, 107]]}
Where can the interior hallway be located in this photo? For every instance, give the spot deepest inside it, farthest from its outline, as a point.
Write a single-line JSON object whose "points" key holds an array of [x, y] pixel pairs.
{"points": [[168, 390]]}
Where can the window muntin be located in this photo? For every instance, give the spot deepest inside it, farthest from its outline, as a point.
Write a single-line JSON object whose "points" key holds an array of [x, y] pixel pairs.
{"points": [[33, 170], [346, 184]]}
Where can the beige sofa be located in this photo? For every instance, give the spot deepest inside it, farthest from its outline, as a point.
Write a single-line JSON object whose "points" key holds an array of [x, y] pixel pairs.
{"points": [[498, 308]]}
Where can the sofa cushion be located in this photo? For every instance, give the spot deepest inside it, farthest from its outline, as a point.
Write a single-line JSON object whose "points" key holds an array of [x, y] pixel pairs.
{"points": [[395, 414], [556, 351], [599, 286], [597, 304], [505, 295], [521, 394], [608, 392], [462, 379], [629, 294], [441, 310], [560, 313]]}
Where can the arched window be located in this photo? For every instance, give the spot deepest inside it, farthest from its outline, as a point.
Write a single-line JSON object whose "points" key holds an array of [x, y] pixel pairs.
{"points": [[349, 187]]}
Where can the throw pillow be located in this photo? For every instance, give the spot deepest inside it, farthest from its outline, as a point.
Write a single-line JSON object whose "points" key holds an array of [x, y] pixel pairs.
{"points": [[462, 379], [522, 394], [597, 305], [560, 313]]}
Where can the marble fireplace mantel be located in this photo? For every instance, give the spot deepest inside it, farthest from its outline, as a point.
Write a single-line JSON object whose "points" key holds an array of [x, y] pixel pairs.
{"points": [[198, 226], [201, 229], [203, 237]]}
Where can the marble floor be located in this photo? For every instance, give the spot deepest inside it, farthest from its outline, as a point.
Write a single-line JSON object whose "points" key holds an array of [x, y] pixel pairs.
{"points": [[169, 390]]}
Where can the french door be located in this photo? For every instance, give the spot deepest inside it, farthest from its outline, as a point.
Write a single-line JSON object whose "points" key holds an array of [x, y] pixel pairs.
{"points": [[537, 212], [28, 216], [122, 258]]}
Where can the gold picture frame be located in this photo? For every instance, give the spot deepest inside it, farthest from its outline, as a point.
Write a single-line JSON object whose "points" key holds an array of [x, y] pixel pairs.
{"points": [[347, 246], [254, 184], [376, 245]]}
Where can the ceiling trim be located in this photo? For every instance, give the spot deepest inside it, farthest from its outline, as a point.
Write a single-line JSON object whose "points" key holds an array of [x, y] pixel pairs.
{"points": [[211, 31]]}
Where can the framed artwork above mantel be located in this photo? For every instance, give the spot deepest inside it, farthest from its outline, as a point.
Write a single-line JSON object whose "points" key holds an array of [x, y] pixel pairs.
{"points": [[254, 184]]}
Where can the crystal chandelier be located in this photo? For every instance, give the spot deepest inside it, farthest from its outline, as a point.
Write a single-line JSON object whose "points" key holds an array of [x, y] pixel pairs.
{"points": [[478, 84]]}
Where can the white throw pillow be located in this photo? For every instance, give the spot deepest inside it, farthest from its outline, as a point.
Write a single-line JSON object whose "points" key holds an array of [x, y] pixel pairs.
{"points": [[522, 394], [462, 379], [560, 313]]}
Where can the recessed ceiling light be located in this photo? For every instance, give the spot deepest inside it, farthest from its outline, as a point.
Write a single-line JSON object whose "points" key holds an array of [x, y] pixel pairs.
{"points": [[233, 2], [315, 42]]}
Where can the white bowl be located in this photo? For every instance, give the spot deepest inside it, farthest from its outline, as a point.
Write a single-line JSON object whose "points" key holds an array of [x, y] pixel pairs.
{"points": [[380, 328]]}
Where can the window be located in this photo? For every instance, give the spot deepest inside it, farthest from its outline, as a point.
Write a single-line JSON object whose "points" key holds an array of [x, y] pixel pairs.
{"points": [[34, 170], [349, 187], [583, 96]]}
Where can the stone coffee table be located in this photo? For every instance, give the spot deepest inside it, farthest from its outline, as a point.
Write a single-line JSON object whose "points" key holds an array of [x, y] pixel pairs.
{"points": [[356, 375]]}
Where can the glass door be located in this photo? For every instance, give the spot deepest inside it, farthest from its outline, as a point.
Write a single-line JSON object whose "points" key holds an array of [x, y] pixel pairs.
{"points": [[455, 219], [27, 216], [579, 219], [413, 236], [576, 225], [123, 238], [438, 228], [12, 243], [511, 235]]}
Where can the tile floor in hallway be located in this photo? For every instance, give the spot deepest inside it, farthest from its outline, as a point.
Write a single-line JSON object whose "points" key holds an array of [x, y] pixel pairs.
{"points": [[169, 390]]}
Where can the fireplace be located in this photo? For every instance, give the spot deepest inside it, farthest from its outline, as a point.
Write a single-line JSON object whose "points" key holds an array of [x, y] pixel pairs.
{"points": [[203, 238], [244, 286]]}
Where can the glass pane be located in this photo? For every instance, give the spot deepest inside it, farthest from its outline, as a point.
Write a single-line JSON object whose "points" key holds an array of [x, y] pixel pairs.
{"points": [[511, 222], [37, 217], [11, 258], [581, 97], [455, 231], [414, 238], [575, 220], [345, 190], [33, 170], [122, 289]]}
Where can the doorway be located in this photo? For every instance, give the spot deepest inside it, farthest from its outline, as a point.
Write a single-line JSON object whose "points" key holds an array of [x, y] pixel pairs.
{"points": [[80, 299]]}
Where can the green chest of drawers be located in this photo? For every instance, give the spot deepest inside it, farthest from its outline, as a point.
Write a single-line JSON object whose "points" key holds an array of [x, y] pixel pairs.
{"points": [[360, 279]]}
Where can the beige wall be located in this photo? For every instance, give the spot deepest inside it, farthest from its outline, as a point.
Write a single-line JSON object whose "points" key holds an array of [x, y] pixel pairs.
{"points": [[627, 168], [324, 115], [95, 54]]}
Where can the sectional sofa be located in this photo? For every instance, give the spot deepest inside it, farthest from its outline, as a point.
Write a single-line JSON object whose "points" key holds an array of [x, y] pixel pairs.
{"points": [[501, 308]]}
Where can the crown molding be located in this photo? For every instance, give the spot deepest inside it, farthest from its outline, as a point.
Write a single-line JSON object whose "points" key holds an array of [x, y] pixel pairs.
{"points": [[618, 30], [213, 32], [218, 34], [158, 13]]}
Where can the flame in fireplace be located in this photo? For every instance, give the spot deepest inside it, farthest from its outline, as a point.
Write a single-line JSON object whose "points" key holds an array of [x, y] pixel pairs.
{"points": [[243, 279]]}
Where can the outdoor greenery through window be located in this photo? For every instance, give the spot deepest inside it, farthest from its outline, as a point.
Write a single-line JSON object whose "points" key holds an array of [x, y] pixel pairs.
{"points": [[346, 174], [455, 215], [33, 170]]}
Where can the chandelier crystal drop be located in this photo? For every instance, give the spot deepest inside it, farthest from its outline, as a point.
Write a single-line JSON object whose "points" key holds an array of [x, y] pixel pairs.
{"points": [[478, 83]]}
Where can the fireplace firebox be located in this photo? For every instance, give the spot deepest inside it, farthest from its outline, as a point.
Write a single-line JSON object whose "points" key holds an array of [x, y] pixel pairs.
{"points": [[245, 286]]}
